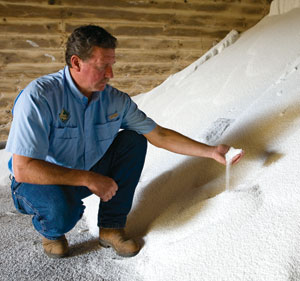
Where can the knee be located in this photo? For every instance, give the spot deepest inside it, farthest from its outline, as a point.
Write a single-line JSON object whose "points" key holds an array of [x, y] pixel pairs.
{"points": [[65, 217]]}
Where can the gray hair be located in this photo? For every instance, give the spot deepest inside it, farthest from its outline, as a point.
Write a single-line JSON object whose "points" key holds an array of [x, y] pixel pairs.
{"points": [[84, 38]]}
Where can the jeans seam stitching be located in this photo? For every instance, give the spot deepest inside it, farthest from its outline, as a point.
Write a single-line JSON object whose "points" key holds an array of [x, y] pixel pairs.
{"points": [[34, 210]]}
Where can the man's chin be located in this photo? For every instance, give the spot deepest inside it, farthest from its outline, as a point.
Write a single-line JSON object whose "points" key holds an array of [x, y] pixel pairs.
{"points": [[101, 87]]}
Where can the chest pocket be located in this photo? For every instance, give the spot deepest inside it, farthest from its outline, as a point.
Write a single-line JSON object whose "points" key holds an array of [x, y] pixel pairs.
{"points": [[66, 133], [108, 130], [65, 145]]}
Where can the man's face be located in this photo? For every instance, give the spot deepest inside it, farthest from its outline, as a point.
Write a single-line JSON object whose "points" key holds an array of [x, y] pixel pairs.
{"points": [[97, 70]]}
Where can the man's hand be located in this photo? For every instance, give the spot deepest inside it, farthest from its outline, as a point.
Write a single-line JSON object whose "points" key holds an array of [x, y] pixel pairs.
{"points": [[102, 186], [220, 151]]}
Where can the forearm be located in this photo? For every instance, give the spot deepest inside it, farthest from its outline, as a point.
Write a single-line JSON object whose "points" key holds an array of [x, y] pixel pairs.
{"points": [[175, 142], [178, 143], [30, 170], [36, 171]]}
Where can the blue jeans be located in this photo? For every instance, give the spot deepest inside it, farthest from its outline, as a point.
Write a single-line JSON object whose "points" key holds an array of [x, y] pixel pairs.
{"points": [[57, 208]]}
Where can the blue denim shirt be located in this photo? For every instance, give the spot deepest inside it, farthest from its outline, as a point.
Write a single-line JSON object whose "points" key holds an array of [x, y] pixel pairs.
{"points": [[53, 121]]}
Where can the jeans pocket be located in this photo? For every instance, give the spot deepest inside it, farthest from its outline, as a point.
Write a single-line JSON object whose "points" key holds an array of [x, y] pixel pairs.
{"points": [[14, 189]]}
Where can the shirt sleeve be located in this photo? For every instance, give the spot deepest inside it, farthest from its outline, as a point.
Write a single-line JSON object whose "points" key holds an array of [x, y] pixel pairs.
{"points": [[135, 119], [30, 126]]}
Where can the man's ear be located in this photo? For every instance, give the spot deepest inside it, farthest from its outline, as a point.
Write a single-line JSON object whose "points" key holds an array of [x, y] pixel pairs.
{"points": [[76, 63]]}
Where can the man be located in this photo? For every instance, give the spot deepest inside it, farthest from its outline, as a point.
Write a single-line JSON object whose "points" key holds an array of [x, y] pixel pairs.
{"points": [[66, 144]]}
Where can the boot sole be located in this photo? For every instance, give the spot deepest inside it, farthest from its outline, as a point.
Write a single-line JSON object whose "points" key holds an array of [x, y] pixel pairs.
{"points": [[106, 244], [56, 256]]}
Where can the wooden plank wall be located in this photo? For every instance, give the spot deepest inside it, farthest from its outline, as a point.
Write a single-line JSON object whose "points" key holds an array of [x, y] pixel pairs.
{"points": [[156, 37]]}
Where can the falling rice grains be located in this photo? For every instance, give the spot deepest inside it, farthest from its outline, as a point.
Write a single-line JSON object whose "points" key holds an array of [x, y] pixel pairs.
{"points": [[232, 152]]}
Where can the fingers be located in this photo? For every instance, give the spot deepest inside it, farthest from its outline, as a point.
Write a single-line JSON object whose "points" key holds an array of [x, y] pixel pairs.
{"points": [[102, 186], [220, 154], [221, 159], [223, 148], [109, 195], [110, 191], [237, 158]]}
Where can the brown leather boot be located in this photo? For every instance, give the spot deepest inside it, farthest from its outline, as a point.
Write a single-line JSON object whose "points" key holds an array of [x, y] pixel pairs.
{"points": [[115, 238], [56, 248]]}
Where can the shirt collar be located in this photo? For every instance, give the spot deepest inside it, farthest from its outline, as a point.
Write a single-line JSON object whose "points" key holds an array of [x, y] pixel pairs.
{"points": [[75, 91]]}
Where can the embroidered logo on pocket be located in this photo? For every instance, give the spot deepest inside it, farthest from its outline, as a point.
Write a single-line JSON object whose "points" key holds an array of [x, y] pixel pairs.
{"points": [[113, 116]]}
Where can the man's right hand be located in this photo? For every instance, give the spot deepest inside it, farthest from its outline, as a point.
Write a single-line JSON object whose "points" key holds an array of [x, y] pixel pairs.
{"points": [[102, 186]]}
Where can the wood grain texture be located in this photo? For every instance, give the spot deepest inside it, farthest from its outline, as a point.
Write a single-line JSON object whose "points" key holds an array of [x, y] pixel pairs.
{"points": [[156, 38]]}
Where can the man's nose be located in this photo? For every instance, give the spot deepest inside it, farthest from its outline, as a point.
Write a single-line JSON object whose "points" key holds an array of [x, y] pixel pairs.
{"points": [[109, 72]]}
